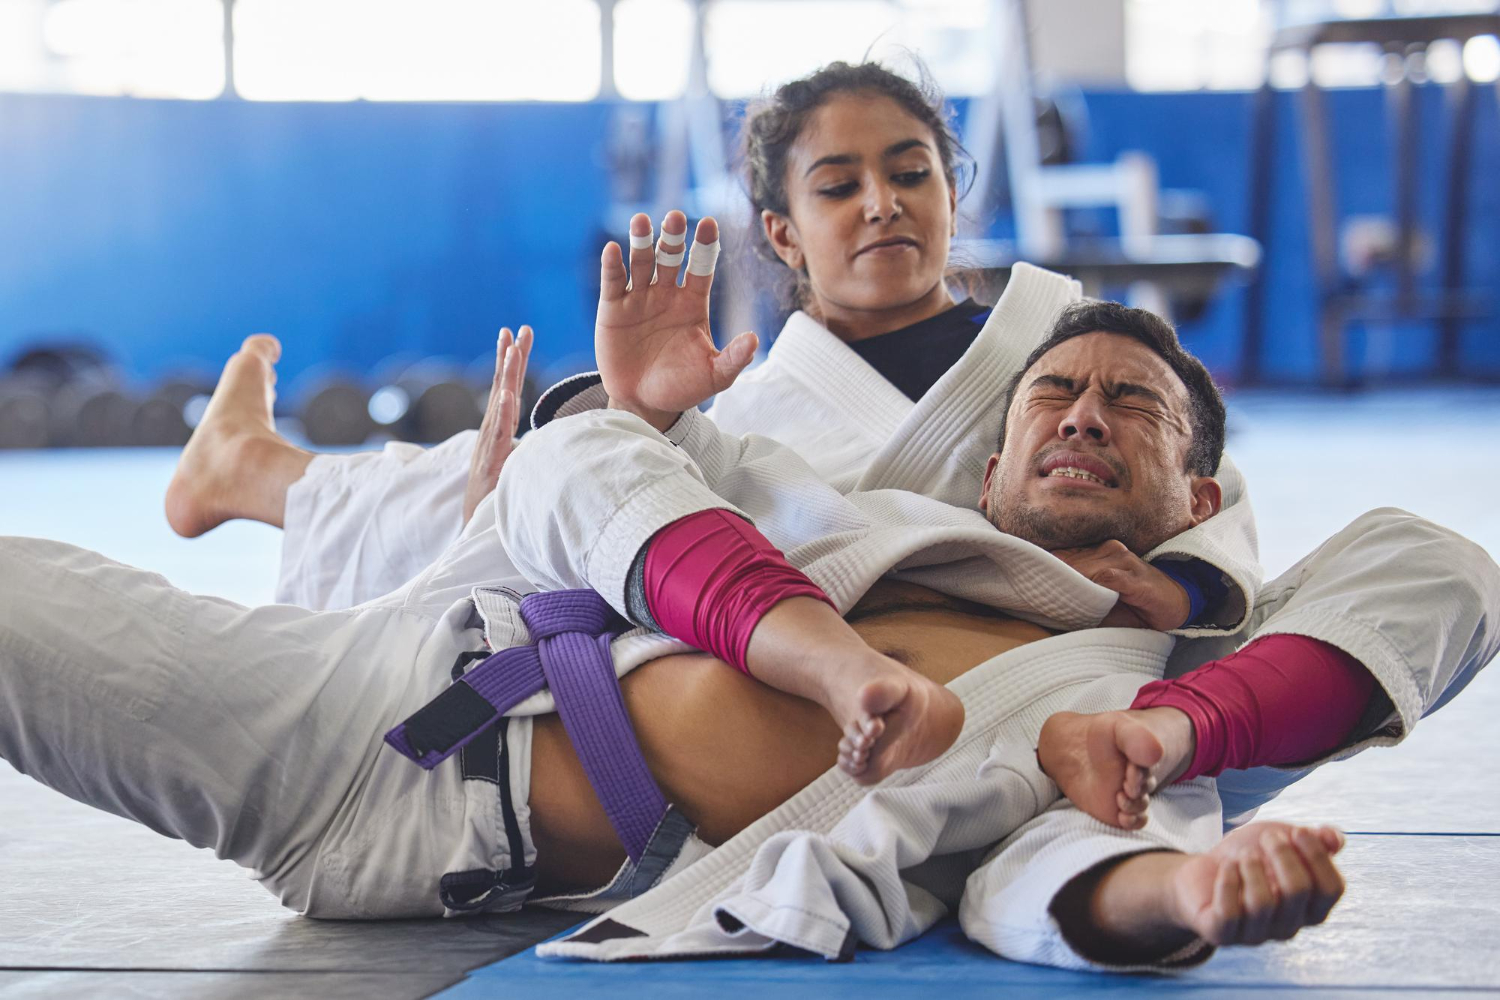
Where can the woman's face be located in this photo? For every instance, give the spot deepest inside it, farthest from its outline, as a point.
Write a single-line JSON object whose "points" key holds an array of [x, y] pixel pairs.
{"points": [[870, 213]]}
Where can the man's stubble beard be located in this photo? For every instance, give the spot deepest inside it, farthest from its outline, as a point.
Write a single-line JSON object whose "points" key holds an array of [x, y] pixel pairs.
{"points": [[1140, 530]]}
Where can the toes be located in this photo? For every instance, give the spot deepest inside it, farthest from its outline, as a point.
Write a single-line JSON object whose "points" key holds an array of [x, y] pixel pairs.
{"points": [[263, 344]]}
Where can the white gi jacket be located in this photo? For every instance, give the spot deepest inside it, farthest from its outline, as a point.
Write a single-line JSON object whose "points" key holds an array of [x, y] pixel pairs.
{"points": [[1410, 600], [359, 526]]}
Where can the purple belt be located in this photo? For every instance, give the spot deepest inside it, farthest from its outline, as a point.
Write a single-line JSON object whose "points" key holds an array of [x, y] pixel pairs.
{"points": [[572, 631]]}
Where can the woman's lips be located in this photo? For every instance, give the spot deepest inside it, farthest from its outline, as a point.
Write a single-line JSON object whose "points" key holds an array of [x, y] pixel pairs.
{"points": [[887, 249]]}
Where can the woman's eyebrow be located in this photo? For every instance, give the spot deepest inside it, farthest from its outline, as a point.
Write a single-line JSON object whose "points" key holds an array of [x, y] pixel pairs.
{"points": [[834, 159], [844, 159], [896, 149]]}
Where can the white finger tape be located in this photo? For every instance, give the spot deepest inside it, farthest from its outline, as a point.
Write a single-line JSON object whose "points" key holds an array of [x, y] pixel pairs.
{"points": [[641, 242], [668, 259], [703, 258], [672, 240]]}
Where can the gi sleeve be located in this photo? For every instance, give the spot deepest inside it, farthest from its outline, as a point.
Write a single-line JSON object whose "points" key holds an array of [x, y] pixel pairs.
{"points": [[1008, 901]]}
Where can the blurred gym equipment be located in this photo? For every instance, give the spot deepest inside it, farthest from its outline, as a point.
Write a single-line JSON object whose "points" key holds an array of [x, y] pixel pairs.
{"points": [[166, 416], [1352, 290], [82, 401], [1019, 151], [335, 411]]}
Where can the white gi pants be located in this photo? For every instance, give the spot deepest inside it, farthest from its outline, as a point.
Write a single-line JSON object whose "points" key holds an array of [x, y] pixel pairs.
{"points": [[253, 732], [359, 526]]}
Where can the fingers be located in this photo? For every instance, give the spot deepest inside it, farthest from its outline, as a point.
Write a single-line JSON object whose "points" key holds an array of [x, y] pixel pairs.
{"points": [[703, 258], [1259, 901], [499, 407], [642, 257], [613, 281], [1327, 882], [510, 395], [732, 360], [523, 341], [1294, 886], [670, 247], [1228, 909]]}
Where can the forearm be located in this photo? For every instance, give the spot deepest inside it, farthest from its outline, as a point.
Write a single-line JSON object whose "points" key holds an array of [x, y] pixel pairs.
{"points": [[1121, 911], [1283, 699]]}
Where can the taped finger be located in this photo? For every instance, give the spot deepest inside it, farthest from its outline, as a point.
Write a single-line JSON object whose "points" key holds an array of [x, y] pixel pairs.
{"points": [[703, 258], [669, 252]]}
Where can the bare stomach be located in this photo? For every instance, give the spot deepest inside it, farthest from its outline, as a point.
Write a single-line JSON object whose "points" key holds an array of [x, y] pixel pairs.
{"points": [[727, 749]]}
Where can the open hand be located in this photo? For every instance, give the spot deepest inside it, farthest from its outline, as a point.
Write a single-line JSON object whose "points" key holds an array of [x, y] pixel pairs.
{"points": [[502, 418], [1148, 597], [652, 339]]}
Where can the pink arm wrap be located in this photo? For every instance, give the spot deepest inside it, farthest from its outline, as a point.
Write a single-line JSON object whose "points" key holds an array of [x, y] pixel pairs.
{"points": [[711, 577], [1282, 699]]}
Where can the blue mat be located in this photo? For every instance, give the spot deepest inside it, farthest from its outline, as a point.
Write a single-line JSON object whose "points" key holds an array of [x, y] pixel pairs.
{"points": [[1421, 915]]}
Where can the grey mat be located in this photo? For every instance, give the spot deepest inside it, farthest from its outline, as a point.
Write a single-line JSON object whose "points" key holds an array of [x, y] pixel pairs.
{"points": [[87, 890], [222, 985]]}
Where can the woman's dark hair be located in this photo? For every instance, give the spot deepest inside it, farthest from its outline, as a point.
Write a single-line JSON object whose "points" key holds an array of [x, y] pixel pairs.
{"points": [[1205, 404], [773, 126]]}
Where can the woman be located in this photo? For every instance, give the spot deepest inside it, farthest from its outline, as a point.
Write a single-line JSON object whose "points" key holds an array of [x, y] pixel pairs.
{"points": [[854, 173]]}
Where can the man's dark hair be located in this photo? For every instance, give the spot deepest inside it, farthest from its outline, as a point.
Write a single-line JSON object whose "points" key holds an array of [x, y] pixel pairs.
{"points": [[1205, 405]]}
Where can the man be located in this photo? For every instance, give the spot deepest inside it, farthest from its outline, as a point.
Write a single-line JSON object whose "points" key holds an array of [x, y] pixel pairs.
{"points": [[1134, 478]]}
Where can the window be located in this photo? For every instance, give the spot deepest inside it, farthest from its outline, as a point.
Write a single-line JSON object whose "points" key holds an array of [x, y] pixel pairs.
{"points": [[653, 41], [139, 48], [754, 45], [1192, 45], [403, 50]]}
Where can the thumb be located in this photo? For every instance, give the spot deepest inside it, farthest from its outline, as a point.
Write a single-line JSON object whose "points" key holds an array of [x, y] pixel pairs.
{"points": [[732, 360]]}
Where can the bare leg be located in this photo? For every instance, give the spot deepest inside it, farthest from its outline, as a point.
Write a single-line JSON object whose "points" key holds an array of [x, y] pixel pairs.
{"points": [[1263, 882], [1109, 764], [892, 717], [236, 465]]}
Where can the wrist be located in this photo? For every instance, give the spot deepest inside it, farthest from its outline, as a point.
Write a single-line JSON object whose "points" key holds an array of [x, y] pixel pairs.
{"points": [[662, 420]]}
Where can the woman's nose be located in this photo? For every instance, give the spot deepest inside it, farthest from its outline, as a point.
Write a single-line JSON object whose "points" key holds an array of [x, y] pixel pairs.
{"points": [[882, 204]]}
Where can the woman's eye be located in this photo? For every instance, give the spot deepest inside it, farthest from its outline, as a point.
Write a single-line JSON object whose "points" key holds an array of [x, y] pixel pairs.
{"points": [[838, 190], [910, 177]]}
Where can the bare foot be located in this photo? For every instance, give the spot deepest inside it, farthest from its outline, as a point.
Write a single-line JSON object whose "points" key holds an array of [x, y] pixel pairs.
{"points": [[895, 719], [236, 465], [1109, 764]]}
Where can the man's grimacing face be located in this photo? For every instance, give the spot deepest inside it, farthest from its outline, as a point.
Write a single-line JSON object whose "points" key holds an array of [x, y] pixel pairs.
{"points": [[1096, 442]]}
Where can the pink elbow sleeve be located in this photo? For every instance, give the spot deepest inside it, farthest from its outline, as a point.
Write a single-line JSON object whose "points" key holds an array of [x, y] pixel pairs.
{"points": [[1282, 699], [710, 578]]}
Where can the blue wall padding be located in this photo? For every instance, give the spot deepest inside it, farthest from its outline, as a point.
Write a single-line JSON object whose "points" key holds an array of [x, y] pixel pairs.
{"points": [[170, 229]]}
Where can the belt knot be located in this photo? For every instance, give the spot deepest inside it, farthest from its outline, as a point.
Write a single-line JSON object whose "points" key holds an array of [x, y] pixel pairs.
{"points": [[551, 613]]}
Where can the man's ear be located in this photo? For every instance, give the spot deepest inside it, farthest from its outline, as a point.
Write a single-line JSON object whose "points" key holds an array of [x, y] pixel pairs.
{"points": [[1207, 498], [989, 473], [952, 210], [782, 236]]}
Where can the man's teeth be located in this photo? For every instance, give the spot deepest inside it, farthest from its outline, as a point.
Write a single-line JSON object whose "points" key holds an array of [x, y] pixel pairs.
{"points": [[1074, 473]]}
